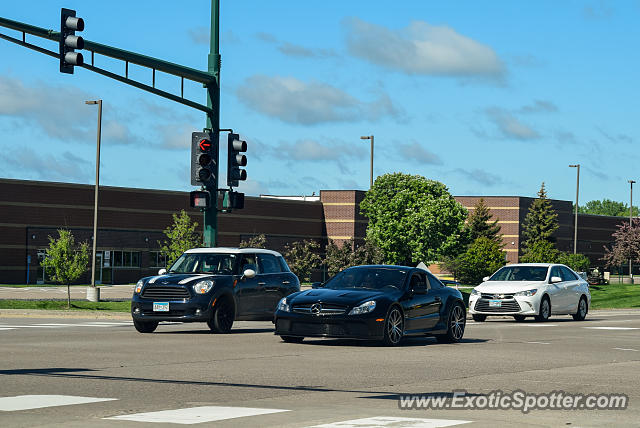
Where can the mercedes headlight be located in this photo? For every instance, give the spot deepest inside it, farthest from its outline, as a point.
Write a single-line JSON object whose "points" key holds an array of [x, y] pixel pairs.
{"points": [[474, 292], [139, 285], [364, 308], [202, 287], [527, 293], [283, 305]]}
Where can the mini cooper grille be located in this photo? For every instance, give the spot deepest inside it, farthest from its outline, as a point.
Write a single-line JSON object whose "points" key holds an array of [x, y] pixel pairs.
{"points": [[319, 309], [165, 293], [482, 305]]}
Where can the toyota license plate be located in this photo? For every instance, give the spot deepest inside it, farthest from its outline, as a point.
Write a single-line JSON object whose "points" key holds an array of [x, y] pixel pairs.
{"points": [[495, 303], [160, 306]]}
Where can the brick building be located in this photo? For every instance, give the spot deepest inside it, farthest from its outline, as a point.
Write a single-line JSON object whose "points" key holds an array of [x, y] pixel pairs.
{"points": [[131, 224]]}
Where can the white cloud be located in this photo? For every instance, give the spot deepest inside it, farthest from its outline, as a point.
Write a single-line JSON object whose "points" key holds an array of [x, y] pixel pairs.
{"points": [[509, 125], [60, 112], [480, 176], [294, 101], [539, 106], [314, 151], [30, 164], [414, 152], [422, 48]]}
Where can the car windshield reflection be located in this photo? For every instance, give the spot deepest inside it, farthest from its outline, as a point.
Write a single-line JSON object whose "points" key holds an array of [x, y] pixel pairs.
{"points": [[520, 273], [215, 264], [368, 278]]}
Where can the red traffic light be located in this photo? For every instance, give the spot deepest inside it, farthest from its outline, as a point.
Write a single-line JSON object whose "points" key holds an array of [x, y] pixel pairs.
{"points": [[205, 145]]}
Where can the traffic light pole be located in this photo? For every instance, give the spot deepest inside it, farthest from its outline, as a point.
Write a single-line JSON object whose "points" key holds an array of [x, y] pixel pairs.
{"points": [[210, 234]]}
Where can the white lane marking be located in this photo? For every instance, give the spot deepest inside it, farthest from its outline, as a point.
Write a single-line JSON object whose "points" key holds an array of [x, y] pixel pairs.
{"points": [[382, 421], [539, 325], [613, 328], [196, 415], [25, 402], [7, 328], [626, 349], [540, 343]]}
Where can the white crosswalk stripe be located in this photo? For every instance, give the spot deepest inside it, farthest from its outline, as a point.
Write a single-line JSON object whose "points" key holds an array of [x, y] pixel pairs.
{"points": [[196, 415], [383, 421], [26, 402], [95, 324]]}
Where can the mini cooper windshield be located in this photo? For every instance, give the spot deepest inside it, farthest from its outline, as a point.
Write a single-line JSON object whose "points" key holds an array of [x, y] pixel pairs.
{"points": [[368, 278], [213, 263], [520, 273]]}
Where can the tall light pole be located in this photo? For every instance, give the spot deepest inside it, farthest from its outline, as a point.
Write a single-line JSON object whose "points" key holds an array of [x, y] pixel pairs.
{"points": [[631, 225], [93, 293], [370, 137], [575, 225]]}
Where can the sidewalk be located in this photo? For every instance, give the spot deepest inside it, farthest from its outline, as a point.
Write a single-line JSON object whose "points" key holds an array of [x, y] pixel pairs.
{"points": [[113, 292]]}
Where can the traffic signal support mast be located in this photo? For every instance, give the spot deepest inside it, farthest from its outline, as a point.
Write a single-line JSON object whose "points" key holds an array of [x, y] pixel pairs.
{"points": [[210, 233], [210, 79]]}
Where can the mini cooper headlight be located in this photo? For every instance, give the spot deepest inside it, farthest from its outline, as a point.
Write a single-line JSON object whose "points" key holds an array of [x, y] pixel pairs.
{"points": [[202, 287], [474, 292], [364, 308], [527, 293], [139, 285], [283, 305]]}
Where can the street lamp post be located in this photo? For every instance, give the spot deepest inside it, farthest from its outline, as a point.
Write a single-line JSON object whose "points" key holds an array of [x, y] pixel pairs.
{"points": [[575, 225], [370, 137], [93, 293], [631, 225]]}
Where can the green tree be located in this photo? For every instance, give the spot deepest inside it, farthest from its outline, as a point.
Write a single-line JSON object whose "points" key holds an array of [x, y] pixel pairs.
{"points": [[483, 257], [479, 223], [539, 225], [626, 246], [607, 207], [338, 258], [302, 257], [181, 236], [540, 251], [412, 219], [578, 262], [65, 261], [256, 241], [367, 254]]}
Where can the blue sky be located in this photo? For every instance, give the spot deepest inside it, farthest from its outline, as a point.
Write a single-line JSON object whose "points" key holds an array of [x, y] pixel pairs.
{"points": [[488, 97]]}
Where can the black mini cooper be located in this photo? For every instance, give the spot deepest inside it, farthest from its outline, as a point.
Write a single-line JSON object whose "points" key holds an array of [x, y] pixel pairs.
{"points": [[216, 286], [374, 302]]}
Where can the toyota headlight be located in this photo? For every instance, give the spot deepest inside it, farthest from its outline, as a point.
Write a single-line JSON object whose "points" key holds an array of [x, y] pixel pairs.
{"points": [[283, 305], [527, 293], [139, 285], [202, 287], [474, 292], [364, 308]]}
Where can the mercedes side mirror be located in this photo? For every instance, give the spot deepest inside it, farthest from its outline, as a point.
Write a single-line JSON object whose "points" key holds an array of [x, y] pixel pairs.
{"points": [[486, 278], [248, 273], [555, 279], [162, 271], [316, 285]]}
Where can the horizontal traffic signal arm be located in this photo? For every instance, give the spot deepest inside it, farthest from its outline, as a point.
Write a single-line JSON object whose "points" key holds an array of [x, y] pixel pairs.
{"points": [[207, 79]]}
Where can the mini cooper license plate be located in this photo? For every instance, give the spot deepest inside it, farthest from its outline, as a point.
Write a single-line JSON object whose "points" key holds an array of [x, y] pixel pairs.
{"points": [[495, 303], [160, 306]]}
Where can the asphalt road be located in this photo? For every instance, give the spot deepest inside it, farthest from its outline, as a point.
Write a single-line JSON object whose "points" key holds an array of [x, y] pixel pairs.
{"points": [[251, 378]]}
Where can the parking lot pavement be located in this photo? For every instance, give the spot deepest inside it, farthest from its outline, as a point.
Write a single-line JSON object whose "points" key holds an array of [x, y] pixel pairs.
{"points": [[81, 372]]}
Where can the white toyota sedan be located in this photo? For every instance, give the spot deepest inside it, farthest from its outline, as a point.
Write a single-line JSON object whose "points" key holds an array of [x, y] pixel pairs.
{"points": [[531, 289]]}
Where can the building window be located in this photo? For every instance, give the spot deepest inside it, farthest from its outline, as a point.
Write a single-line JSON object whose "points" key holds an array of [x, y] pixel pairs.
{"points": [[126, 259], [157, 259]]}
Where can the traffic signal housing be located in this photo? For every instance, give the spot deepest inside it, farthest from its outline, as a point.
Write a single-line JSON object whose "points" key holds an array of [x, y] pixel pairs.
{"points": [[204, 160], [235, 159], [69, 24]]}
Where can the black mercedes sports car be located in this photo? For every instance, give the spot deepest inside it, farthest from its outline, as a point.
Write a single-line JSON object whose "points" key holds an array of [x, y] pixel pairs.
{"points": [[374, 302]]}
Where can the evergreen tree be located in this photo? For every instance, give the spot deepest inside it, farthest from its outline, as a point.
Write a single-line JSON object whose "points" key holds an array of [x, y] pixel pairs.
{"points": [[480, 225], [541, 221]]}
